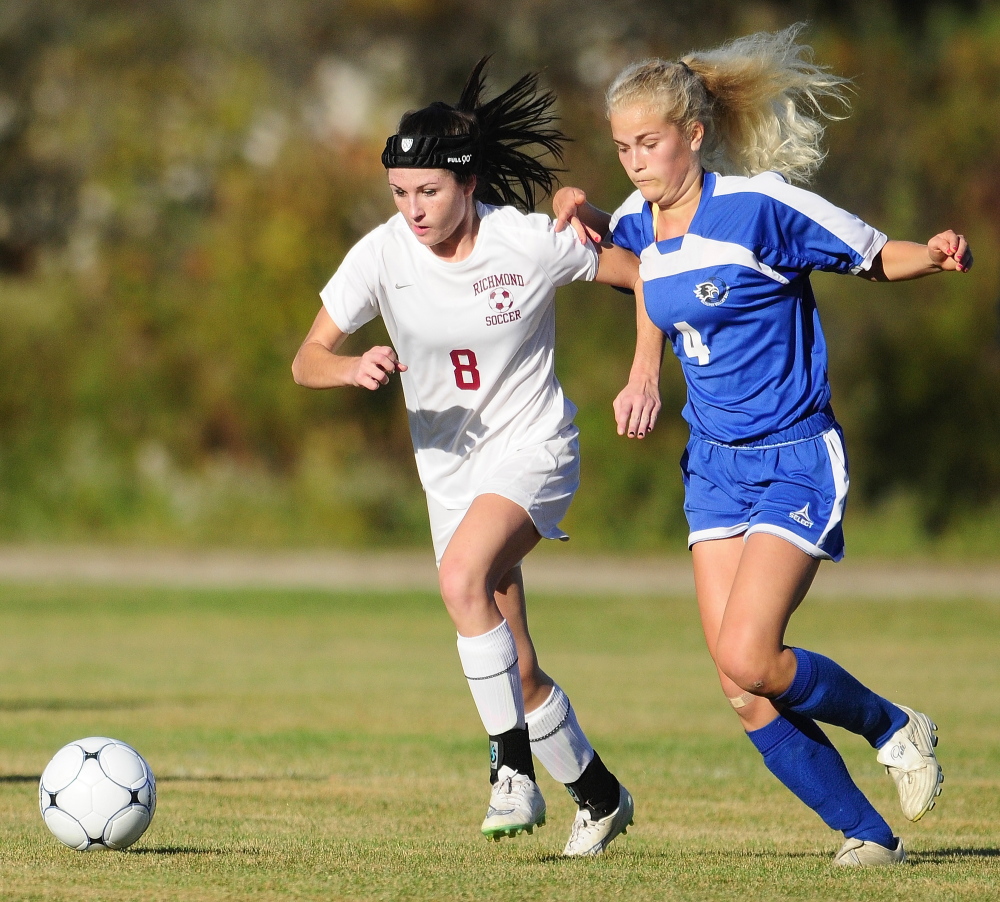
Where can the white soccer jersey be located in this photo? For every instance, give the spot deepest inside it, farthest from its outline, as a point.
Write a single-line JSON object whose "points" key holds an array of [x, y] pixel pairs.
{"points": [[478, 337]]}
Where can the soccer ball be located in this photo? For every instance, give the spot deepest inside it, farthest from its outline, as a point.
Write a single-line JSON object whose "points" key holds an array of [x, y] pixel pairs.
{"points": [[501, 299], [97, 794]]}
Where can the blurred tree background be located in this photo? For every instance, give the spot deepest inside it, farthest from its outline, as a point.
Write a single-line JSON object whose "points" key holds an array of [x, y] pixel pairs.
{"points": [[178, 180]]}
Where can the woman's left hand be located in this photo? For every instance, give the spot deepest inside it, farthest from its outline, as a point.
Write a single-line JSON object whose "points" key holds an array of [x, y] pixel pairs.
{"points": [[950, 252]]}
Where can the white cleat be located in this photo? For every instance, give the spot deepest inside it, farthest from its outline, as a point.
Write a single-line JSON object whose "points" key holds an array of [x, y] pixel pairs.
{"points": [[910, 760], [516, 806], [857, 853], [591, 837]]}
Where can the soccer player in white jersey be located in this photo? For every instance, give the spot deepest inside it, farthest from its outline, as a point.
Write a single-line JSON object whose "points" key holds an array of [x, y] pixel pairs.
{"points": [[726, 246], [465, 284]]}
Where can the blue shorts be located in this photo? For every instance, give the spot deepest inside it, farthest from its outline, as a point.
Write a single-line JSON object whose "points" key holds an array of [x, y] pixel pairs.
{"points": [[791, 484]]}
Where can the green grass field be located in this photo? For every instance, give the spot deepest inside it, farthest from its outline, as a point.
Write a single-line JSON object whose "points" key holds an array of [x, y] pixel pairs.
{"points": [[318, 746]]}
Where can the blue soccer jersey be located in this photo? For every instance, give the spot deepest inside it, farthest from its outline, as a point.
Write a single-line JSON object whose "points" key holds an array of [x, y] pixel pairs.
{"points": [[734, 300]]}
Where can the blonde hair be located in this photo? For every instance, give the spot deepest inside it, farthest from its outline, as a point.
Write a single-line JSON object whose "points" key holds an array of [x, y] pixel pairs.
{"points": [[759, 97]]}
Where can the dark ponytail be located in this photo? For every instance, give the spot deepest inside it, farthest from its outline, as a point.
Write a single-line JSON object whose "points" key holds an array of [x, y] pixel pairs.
{"points": [[500, 141]]}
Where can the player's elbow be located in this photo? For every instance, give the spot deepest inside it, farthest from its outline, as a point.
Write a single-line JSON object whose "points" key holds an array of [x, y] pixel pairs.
{"points": [[299, 373]]}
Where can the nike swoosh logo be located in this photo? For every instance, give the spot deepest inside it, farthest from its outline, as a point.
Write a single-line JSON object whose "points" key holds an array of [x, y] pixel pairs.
{"points": [[494, 811], [404, 285]]}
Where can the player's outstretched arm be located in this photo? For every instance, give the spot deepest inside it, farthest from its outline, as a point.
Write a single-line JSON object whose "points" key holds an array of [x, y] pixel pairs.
{"points": [[570, 207], [617, 266], [638, 404], [902, 260], [318, 365]]}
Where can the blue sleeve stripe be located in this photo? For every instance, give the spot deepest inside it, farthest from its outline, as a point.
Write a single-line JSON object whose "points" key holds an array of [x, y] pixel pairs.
{"points": [[697, 253], [864, 240]]}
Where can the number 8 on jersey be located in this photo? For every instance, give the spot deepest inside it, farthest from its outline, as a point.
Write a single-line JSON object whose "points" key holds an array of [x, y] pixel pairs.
{"points": [[466, 371]]}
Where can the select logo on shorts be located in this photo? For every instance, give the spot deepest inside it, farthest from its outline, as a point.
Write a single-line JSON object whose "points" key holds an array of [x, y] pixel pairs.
{"points": [[712, 293], [802, 517], [494, 753]]}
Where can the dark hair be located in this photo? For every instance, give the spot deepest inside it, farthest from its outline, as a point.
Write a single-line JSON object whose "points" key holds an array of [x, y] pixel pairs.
{"points": [[499, 134]]}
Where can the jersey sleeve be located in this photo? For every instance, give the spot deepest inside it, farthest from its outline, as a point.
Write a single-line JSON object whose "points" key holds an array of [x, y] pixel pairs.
{"points": [[351, 297], [799, 229], [627, 228], [561, 254]]}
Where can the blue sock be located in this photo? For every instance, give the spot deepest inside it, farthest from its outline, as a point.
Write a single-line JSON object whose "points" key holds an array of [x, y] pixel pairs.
{"points": [[798, 753], [822, 690]]}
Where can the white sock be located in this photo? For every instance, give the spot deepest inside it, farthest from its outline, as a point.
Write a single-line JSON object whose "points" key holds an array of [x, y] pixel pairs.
{"points": [[557, 740], [490, 665]]}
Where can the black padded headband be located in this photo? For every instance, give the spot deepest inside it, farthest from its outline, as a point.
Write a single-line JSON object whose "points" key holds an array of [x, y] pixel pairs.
{"points": [[457, 152]]}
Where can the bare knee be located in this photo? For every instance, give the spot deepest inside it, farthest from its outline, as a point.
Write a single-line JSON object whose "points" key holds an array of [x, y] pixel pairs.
{"points": [[467, 597], [462, 589], [752, 669]]}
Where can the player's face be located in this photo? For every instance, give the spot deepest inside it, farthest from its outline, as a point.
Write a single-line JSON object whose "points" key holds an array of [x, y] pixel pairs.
{"points": [[661, 162], [438, 209]]}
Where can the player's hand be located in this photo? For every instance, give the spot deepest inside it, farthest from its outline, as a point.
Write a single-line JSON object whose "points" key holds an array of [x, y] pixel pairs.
{"points": [[566, 203], [375, 366], [950, 252], [637, 407]]}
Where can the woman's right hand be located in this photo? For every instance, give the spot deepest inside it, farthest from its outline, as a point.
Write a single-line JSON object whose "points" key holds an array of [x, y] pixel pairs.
{"points": [[637, 407], [566, 205], [375, 366]]}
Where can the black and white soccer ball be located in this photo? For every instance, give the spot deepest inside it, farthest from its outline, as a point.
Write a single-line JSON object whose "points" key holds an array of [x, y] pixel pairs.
{"points": [[97, 794]]}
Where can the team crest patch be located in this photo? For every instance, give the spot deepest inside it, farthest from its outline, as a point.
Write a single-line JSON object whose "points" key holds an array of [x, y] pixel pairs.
{"points": [[712, 293], [405, 144], [802, 517]]}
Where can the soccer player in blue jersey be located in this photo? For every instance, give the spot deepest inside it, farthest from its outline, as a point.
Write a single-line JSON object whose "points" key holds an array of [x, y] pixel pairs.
{"points": [[713, 143]]}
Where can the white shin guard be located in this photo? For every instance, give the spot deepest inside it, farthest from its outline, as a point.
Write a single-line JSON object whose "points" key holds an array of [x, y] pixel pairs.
{"points": [[490, 665], [557, 740]]}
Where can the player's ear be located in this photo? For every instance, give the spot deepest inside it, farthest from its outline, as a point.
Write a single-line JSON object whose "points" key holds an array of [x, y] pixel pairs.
{"points": [[697, 136], [469, 187]]}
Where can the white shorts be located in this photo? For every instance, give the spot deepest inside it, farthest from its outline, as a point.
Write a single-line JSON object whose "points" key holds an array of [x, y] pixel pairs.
{"points": [[542, 479]]}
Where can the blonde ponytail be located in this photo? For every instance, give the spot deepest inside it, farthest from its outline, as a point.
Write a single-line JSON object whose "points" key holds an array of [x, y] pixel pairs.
{"points": [[760, 99]]}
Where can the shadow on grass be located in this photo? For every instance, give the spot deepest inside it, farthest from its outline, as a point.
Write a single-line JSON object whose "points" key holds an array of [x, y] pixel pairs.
{"points": [[20, 778], [20, 705], [940, 856], [238, 778], [673, 855], [932, 856], [170, 850]]}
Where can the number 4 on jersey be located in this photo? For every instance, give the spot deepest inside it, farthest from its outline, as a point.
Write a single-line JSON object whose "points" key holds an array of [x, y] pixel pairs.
{"points": [[693, 345], [466, 369]]}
